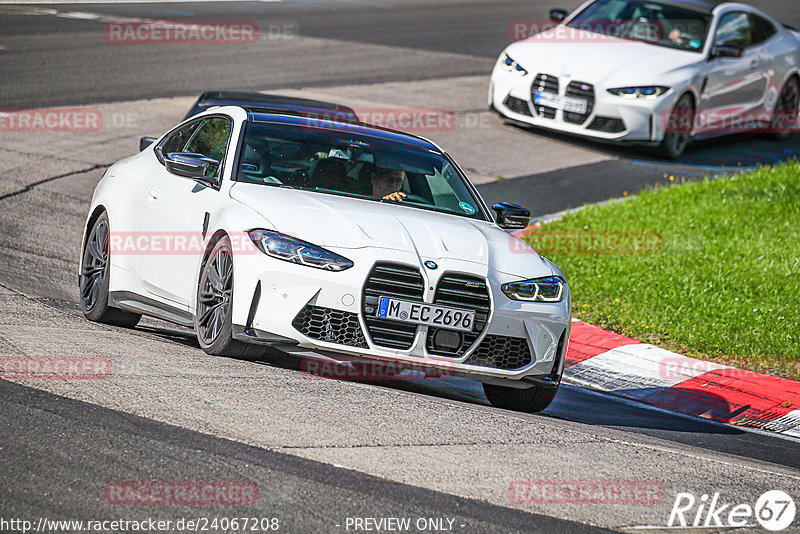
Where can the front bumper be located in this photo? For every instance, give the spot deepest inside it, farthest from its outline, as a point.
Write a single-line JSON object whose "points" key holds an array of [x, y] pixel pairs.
{"points": [[609, 117], [328, 314]]}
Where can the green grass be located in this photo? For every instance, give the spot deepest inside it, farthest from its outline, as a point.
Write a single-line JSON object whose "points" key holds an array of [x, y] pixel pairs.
{"points": [[725, 286]]}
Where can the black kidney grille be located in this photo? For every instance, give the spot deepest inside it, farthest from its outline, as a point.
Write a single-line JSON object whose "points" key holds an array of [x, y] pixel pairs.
{"points": [[397, 281], [584, 91], [501, 352], [465, 292], [546, 84], [333, 326]]}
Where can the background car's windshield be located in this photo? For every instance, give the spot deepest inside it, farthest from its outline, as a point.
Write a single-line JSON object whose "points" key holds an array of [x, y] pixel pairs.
{"points": [[650, 22], [343, 163]]}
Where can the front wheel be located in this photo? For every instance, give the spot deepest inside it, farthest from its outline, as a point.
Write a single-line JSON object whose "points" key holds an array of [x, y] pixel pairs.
{"points": [[94, 279], [213, 311], [529, 400], [678, 129]]}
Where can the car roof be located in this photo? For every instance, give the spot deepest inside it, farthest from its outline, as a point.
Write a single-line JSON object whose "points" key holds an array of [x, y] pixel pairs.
{"points": [[311, 121], [704, 6], [269, 103]]}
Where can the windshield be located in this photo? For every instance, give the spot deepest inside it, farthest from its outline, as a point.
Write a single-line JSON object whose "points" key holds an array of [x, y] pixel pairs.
{"points": [[650, 22], [342, 163]]}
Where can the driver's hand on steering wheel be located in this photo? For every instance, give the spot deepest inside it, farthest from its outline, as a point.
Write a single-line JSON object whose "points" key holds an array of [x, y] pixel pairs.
{"points": [[397, 196]]}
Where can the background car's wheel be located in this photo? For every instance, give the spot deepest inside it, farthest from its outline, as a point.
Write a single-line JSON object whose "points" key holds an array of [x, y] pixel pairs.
{"points": [[784, 119], [95, 278], [529, 400], [213, 311], [679, 128]]}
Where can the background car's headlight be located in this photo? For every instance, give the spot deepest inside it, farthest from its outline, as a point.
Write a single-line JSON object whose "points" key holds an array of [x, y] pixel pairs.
{"points": [[513, 66], [649, 91], [290, 249], [548, 289]]}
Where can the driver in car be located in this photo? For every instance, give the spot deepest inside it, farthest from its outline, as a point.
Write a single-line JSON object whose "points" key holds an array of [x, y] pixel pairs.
{"points": [[386, 183]]}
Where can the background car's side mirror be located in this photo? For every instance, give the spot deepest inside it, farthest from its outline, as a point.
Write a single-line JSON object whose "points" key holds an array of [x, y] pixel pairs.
{"points": [[145, 142], [512, 217], [558, 15], [192, 165], [727, 51]]}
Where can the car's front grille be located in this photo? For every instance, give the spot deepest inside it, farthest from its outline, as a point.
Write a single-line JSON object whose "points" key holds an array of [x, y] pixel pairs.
{"points": [[607, 125], [546, 84], [397, 281], [517, 105], [501, 352], [465, 292], [332, 326], [584, 91]]}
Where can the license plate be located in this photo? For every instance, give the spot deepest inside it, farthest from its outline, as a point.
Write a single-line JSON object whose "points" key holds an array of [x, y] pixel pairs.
{"points": [[566, 103], [415, 312]]}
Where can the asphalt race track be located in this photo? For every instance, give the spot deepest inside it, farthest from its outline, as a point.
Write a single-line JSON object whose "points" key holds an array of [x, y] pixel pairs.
{"points": [[320, 451]]}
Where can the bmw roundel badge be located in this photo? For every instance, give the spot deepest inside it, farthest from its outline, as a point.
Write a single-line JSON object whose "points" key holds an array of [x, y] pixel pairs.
{"points": [[431, 264]]}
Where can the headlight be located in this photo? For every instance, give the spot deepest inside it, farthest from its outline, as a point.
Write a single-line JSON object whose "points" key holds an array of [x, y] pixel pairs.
{"points": [[649, 91], [513, 66], [548, 289], [293, 250]]}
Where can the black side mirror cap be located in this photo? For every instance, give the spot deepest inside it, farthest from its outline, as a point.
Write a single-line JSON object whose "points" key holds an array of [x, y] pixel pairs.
{"points": [[558, 15], [145, 142], [734, 51], [511, 217]]}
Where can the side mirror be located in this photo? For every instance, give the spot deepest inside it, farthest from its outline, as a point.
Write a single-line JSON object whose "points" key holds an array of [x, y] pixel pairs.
{"points": [[558, 15], [727, 51], [145, 142], [192, 165], [512, 217]]}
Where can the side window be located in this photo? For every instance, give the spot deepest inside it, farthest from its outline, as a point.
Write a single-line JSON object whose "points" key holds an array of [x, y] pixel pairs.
{"points": [[734, 29], [177, 140], [762, 29], [211, 138]]}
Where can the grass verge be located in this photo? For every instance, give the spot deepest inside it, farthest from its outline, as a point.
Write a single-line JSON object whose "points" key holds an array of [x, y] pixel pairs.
{"points": [[710, 269]]}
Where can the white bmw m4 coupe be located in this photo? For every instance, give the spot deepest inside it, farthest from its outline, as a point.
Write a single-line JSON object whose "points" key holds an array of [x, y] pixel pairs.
{"points": [[652, 72], [325, 238]]}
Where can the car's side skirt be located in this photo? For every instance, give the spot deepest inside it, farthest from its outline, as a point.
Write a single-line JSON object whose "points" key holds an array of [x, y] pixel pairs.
{"points": [[125, 300]]}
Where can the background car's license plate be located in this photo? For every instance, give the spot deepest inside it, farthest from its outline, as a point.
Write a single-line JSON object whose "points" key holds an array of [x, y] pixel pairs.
{"points": [[415, 312], [574, 105]]}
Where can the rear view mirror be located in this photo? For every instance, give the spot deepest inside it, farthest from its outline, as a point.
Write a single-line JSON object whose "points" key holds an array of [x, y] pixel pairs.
{"points": [[512, 217], [727, 51], [558, 15], [145, 142], [192, 165]]}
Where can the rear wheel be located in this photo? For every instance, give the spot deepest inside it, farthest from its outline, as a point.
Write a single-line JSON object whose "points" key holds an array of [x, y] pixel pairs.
{"points": [[94, 279], [529, 400], [784, 119], [213, 311], [679, 128]]}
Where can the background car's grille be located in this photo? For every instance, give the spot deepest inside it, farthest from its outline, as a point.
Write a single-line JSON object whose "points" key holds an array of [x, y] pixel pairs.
{"points": [[517, 105], [501, 352], [584, 91], [333, 326], [397, 281], [546, 84], [465, 292], [607, 124]]}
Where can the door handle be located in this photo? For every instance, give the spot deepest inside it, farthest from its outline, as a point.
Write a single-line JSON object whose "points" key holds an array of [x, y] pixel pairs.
{"points": [[754, 64], [154, 193]]}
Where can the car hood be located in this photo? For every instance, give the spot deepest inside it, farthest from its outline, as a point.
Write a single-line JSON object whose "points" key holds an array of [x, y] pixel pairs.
{"points": [[602, 61], [339, 222]]}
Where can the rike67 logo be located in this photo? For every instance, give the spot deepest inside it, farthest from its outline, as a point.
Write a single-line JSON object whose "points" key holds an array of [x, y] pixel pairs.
{"points": [[774, 511]]}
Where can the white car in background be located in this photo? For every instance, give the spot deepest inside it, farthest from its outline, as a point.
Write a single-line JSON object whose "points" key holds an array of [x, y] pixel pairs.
{"points": [[343, 240], [656, 72]]}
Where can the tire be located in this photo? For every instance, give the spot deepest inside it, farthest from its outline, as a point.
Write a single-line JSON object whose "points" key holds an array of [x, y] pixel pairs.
{"points": [[213, 310], [530, 400], [784, 118], [680, 121], [94, 279]]}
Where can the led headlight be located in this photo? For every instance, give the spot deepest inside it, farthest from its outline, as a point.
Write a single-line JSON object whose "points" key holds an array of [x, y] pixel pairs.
{"points": [[293, 250], [547, 289], [513, 66], [648, 91]]}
